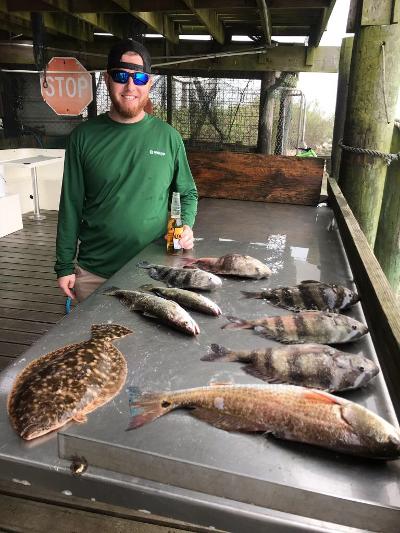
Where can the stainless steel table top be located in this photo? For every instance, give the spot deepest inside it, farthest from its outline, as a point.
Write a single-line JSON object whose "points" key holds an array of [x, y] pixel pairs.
{"points": [[180, 457]]}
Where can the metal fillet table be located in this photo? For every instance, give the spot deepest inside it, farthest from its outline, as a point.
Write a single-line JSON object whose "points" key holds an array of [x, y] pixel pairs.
{"points": [[186, 469]]}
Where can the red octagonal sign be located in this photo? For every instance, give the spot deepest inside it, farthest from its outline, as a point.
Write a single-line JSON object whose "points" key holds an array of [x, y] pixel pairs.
{"points": [[66, 86]]}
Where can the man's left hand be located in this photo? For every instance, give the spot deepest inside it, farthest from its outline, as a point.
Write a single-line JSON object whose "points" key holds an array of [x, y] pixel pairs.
{"points": [[187, 239]]}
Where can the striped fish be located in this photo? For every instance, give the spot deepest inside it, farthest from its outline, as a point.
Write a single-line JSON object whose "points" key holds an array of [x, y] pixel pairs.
{"points": [[310, 295], [242, 266], [183, 278], [306, 326], [310, 365]]}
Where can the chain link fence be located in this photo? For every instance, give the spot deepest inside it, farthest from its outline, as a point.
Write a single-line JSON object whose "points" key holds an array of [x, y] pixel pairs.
{"points": [[223, 114]]}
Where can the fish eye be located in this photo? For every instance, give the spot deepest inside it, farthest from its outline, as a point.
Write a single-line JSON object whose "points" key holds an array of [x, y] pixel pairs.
{"points": [[361, 368], [165, 404], [353, 327]]}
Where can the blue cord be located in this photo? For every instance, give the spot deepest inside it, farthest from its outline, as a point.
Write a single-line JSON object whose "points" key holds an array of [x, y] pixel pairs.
{"points": [[68, 305]]}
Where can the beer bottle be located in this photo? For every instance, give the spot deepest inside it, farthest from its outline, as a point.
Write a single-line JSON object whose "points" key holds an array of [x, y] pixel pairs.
{"points": [[175, 226]]}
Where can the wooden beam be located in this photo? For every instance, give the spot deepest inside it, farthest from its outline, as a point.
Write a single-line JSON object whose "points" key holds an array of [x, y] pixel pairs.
{"points": [[158, 22], [379, 305], [265, 20], [210, 20], [316, 34]]}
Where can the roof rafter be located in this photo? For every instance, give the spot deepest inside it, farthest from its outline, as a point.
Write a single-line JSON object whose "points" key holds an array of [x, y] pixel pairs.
{"points": [[210, 20], [318, 30], [158, 22]]}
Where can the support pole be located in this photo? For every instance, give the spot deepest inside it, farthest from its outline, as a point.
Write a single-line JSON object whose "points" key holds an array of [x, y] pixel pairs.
{"points": [[387, 244], [373, 89], [341, 103], [35, 193], [92, 107], [266, 114]]}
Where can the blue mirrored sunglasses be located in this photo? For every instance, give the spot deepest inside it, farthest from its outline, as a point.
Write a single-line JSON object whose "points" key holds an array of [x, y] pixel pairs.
{"points": [[121, 76]]}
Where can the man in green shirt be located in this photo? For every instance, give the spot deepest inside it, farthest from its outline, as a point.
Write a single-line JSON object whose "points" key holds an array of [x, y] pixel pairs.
{"points": [[120, 170]]}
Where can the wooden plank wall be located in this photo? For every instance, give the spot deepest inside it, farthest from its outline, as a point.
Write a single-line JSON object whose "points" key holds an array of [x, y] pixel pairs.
{"points": [[30, 301], [257, 177]]}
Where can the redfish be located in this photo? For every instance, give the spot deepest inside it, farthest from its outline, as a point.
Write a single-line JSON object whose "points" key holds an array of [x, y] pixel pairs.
{"points": [[310, 365], [68, 383], [306, 326], [309, 295], [284, 411], [243, 266]]}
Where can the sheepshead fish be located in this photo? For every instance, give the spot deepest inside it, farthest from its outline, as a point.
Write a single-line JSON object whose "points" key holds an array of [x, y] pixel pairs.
{"points": [[309, 295], [243, 266], [186, 298], [183, 278], [310, 365], [166, 311], [68, 383], [285, 411], [306, 326]]}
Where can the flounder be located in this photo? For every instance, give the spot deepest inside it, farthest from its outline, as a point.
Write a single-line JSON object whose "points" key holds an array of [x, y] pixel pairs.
{"points": [[68, 383]]}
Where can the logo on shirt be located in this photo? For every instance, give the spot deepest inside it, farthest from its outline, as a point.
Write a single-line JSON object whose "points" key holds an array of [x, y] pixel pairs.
{"points": [[156, 152]]}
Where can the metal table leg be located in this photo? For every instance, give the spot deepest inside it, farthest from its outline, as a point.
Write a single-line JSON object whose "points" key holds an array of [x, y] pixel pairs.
{"points": [[36, 213]]}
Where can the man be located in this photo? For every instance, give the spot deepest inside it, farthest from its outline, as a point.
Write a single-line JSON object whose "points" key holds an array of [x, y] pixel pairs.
{"points": [[120, 170]]}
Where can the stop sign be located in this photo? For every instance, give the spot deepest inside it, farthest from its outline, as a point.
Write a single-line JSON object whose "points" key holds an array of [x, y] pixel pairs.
{"points": [[66, 86]]}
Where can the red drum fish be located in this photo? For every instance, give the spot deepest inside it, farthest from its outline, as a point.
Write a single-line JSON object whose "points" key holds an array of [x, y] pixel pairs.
{"points": [[68, 383], [167, 311], [308, 295], [243, 266], [306, 326], [285, 411], [310, 365]]}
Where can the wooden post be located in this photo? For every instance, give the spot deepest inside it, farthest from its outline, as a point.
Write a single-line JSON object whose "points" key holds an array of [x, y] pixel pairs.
{"points": [[387, 244], [341, 103], [266, 114], [373, 89]]}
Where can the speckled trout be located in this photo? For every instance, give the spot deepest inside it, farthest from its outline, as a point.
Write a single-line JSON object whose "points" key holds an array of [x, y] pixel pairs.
{"points": [[309, 295], [166, 311], [310, 365], [183, 278], [243, 266], [68, 383], [306, 326], [285, 411], [186, 298]]}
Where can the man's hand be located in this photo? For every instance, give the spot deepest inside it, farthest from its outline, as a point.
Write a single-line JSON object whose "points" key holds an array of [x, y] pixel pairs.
{"points": [[187, 239], [66, 283]]}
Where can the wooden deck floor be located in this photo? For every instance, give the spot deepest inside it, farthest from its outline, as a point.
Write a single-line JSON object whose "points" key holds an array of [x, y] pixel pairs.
{"points": [[30, 301]]}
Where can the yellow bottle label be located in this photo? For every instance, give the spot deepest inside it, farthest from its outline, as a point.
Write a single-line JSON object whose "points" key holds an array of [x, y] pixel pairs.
{"points": [[177, 236]]}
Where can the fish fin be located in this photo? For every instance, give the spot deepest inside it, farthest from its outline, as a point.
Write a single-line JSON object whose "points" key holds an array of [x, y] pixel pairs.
{"points": [[220, 382], [249, 294], [308, 281], [193, 267], [147, 287], [256, 373], [111, 291], [144, 264], [236, 323], [108, 332], [224, 421], [146, 407], [216, 351], [319, 396], [80, 418]]}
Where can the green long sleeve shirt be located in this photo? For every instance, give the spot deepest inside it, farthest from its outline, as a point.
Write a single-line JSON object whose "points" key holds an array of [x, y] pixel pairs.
{"points": [[117, 182]]}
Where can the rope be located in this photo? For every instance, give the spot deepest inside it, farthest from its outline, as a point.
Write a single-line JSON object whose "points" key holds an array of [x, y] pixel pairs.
{"points": [[389, 158]]}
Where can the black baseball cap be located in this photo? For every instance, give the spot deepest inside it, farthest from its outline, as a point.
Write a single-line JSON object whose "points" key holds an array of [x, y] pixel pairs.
{"points": [[129, 45]]}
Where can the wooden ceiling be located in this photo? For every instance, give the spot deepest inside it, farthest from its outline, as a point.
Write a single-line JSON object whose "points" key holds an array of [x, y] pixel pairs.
{"points": [[71, 24]]}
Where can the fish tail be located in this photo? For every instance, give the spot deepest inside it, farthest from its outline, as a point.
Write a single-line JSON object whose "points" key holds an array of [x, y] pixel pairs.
{"points": [[111, 291], [144, 264], [108, 332], [237, 323], [216, 351], [187, 261], [147, 287], [147, 406]]}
